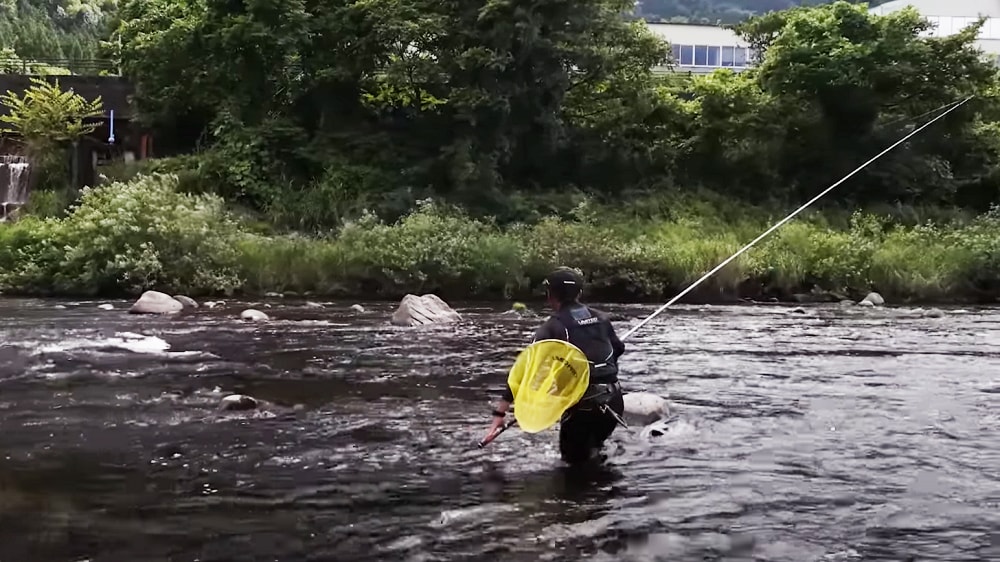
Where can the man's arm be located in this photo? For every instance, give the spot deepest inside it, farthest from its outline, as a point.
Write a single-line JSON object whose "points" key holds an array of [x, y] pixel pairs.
{"points": [[551, 329], [617, 345]]}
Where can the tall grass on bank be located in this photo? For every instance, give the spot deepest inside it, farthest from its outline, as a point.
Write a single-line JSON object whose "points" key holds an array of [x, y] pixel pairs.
{"points": [[126, 237]]}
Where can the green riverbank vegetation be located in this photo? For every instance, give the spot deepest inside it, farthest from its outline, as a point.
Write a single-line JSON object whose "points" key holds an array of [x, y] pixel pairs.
{"points": [[129, 236], [394, 146]]}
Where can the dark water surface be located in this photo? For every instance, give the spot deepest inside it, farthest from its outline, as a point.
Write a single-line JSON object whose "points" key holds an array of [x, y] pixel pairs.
{"points": [[839, 435]]}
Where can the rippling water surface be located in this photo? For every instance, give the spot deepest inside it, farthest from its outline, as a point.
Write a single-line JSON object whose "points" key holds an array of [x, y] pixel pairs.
{"points": [[835, 435]]}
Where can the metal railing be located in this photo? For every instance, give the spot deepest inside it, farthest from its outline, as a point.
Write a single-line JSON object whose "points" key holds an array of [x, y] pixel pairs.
{"points": [[79, 67]]}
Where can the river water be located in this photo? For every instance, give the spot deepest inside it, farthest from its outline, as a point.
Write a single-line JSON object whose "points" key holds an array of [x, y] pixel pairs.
{"points": [[834, 435]]}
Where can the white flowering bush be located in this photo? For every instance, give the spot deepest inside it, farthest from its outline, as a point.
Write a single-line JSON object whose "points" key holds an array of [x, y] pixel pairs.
{"points": [[127, 237]]}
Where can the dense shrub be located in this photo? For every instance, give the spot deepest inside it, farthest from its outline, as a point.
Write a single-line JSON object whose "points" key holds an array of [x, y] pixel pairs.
{"points": [[147, 234], [125, 237]]}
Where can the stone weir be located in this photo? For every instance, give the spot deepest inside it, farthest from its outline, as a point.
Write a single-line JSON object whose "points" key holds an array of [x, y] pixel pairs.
{"points": [[15, 177]]}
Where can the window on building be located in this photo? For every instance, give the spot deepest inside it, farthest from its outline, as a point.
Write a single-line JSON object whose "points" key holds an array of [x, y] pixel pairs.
{"points": [[987, 32], [728, 56], [946, 26], [713, 56], [740, 57], [687, 55], [701, 55]]}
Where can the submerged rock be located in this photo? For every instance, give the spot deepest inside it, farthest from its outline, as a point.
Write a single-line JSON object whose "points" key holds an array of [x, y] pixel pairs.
{"points": [[188, 302], [238, 403], [311, 304], [251, 315], [357, 308], [658, 428], [423, 310], [155, 302]]}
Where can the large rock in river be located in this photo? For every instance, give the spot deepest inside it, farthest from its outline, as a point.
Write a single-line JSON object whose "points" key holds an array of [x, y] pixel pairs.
{"points": [[645, 407], [155, 302], [423, 310]]}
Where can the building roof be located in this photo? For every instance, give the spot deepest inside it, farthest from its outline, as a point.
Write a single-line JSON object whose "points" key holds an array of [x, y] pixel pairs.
{"points": [[115, 92], [958, 8]]}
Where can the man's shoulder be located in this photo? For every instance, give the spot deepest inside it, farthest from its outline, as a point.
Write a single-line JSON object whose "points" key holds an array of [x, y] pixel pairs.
{"points": [[549, 329], [598, 313]]}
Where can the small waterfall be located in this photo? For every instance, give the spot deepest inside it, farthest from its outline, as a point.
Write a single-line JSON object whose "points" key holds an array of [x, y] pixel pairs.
{"points": [[15, 175]]}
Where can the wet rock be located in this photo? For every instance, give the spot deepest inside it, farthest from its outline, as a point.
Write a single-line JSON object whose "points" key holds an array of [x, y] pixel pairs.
{"points": [[215, 304], [310, 304], [874, 299], [188, 302], [797, 310], [846, 302], [273, 295], [155, 302], [644, 407], [817, 295], [658, 428], [251, 315], [105, 306], [238, 403], [357, 308], [59, 306], [423, 310], [866, 304]]}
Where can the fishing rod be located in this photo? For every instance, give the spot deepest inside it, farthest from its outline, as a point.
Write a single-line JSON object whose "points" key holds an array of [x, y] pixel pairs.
{"points": [[954, 105]]}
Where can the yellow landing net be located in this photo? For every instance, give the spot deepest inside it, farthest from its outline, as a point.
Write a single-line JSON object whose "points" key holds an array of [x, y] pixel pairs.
{"points": [[547, 378]]}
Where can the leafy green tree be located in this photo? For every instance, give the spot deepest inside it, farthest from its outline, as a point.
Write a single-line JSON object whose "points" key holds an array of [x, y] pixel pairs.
{"points": [[48, 120]]}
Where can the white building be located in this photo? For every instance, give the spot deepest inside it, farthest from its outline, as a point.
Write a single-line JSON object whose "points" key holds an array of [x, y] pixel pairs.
{"points": [[951, 16], [703, 48]]}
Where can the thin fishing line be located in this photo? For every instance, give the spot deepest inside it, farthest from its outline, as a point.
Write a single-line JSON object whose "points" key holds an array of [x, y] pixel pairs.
{"points": [[917, 117], [955, 105], [777, 225]]}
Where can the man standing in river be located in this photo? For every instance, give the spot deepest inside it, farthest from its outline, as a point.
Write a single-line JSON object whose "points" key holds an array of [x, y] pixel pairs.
{"points": [[587, 424]]}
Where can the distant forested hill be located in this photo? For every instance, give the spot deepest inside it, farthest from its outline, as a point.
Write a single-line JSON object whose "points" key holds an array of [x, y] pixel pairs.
{"points": [[54, 29], [713, 11]]}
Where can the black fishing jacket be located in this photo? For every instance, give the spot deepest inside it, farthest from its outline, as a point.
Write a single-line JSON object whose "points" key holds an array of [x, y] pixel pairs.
{"points": [[591, 331]]}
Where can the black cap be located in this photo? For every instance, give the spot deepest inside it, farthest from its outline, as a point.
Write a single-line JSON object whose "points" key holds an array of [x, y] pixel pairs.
{"points": [[564, 283]]}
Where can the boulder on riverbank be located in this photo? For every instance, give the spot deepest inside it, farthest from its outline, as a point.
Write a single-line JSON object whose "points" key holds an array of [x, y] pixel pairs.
{"points": [[155, 302], [423, 310]]}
